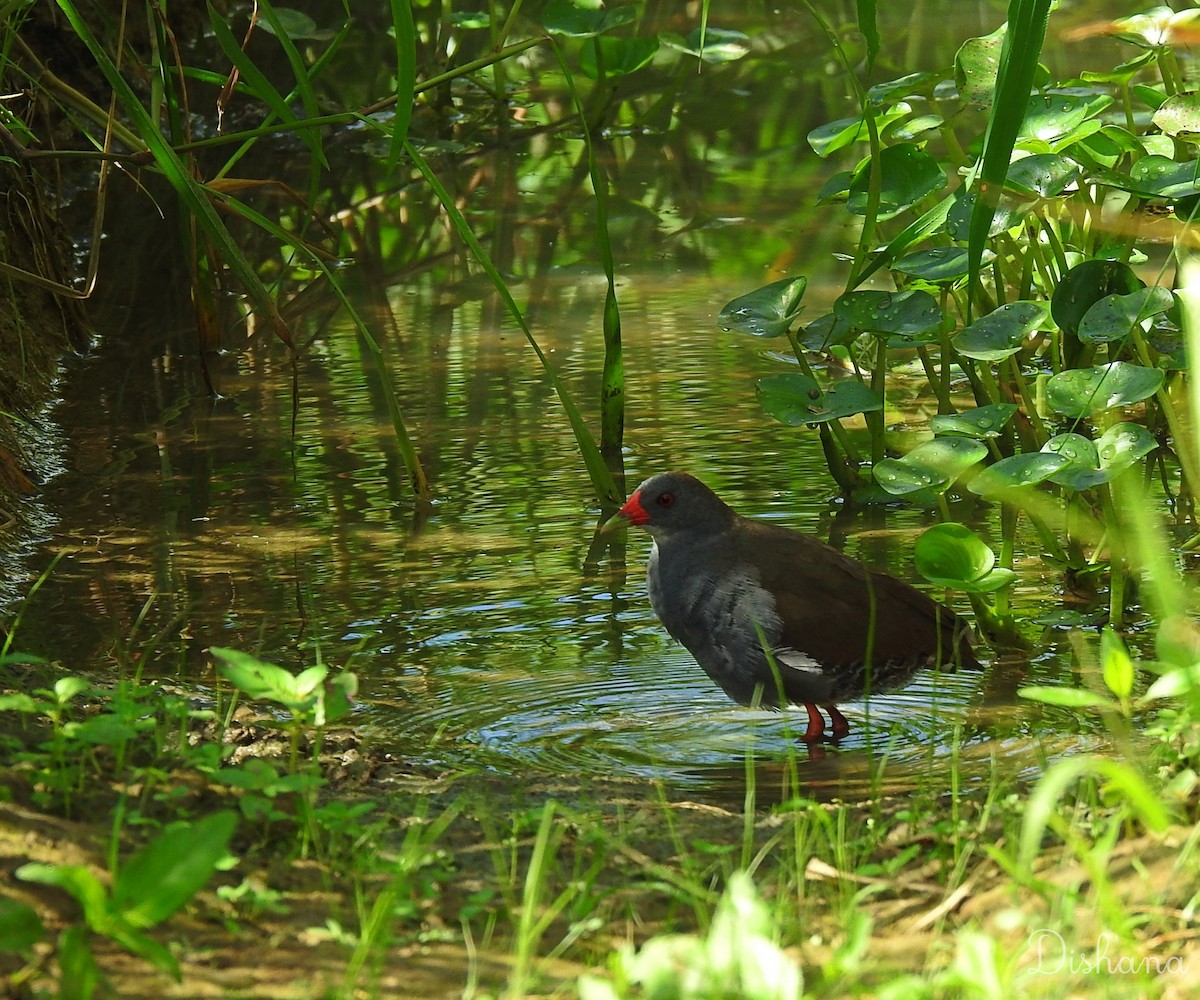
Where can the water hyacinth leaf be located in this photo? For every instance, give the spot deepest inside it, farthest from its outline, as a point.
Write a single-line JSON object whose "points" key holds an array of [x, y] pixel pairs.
{"points": [[293, 23], [984, 421], [911, 129], [911, 313], [719, 44], [1085, 285], [795, 399], [952, 555], [1115, 316], [1083, 468], [975, 66], [911, 83], [1081, 392], [585, 18], [1016, 472], [619, 56], [931, 465], [1123, 444], [471, 19], [1162, 177], [1052, 116], [1002, 332], [825, 332], [958, 219], [766, 311], [1179, 116], [907, 174], [830, 137], [1100, 461], [938, 264], [1043, 175]]}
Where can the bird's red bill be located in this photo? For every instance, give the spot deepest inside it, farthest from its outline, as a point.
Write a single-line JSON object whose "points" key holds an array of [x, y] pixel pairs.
{"points": [[633, 509]]}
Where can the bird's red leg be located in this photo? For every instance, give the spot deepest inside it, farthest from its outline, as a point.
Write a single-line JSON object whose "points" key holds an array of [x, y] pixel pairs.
{"points": [[840, 726], [816, 724]]}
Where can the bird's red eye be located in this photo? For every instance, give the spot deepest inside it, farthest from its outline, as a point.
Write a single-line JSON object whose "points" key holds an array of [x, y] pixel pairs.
{"points": [[665, 499]]}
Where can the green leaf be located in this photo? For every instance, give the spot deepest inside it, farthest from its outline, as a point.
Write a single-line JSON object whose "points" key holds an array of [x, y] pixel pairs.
{"points": [[1067, 697], [1095, 462], [795, 399], [984, 421], [293, 23], [1081, 392], [1115, 316], [585, 18], [951, 555], [1182, 681], [1051, 116], [912, 313], [20, 926], [255, 678], [80, 976], [1116, 665], [619, 56], [829, 138], [171, 869], [1179, 116], [932, 465], [1016, 472], [68, 688], [78, 881], [713, 45], [1085, 285], [1002, 332], [1043, 175], [907, 174], [975, 66], [937, 265], [825, 332], [766, 311]]}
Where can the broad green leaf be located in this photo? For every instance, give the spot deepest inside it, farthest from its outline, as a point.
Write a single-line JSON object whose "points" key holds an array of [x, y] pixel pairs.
{"points": [[911, 313], [911, 129], [1116, 665], [951, 555], [1179, 116], [1081, 392], [921, 83], [585, 18], [1115, 316], [932, 465], [1123, 444], [766, 311], [20, 926], [1016, 472], [939, 264], [1176, 683], [171, 869], [1085, 285], [1066, 697], [618, 56], [67, 688], [984, 421], [958, 220], [78, 881], [471, 19], [1051, 116], [832, 136], [253, 677], [1162, 177], [795, 399], [1002, 332], [80, 976], [907, 174], [294, 23], [975, 67], [1083, 468], [826, 331], [1043, 175], [1095, 462]]}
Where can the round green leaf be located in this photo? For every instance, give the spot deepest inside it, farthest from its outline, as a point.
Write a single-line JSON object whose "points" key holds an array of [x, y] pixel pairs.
{"points": [[832, 136], [1043, 175], [1114, 316], [1002, 332], [1016, 472], [1052, 116], [911, 313], [795, 399], [292, 23], [766, 311], [1162, 177], [585, 18], [932, 465], [951, 555], [620, 56], [1179, 116], [1083, 464], [1066, 697], [825, 332], [1084, 391], [975, 66], [1085, 285], [1123, 444], [907, 174], [958, 219], [939, 264], [984, 421]]}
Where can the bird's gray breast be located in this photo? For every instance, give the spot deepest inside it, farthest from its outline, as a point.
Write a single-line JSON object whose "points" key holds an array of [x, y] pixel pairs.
{"points": [[720, 612]]}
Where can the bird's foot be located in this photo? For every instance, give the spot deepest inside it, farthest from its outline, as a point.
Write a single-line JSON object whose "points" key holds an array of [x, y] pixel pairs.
{"points": [[841, 727]]}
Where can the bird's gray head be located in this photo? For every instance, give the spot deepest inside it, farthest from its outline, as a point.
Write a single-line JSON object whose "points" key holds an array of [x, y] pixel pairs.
{"points": [[672, 502]]}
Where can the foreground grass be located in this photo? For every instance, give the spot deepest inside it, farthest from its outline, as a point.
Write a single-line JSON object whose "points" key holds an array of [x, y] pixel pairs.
{"points": [[349, 874]]}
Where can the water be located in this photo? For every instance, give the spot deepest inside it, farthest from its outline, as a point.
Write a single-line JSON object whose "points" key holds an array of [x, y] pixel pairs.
{"points": [[489, 632]]}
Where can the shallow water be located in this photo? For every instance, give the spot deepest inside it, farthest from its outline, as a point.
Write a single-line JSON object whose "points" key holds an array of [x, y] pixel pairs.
{"points": [[487, 631]]}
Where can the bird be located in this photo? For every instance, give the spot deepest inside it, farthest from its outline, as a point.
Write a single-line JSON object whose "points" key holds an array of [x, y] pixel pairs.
{"points": [[777, 617]]}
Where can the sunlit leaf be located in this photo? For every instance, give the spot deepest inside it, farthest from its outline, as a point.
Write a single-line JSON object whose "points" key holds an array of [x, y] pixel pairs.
{"points": [[1179, 116], [720, 45], [585, 18], [1002, 332], [795, 399], [1044, 175], [766, 311], [932, 465], [1066, 697], [939, 264], [1050, 116], [907, 174], [952, 555], [1114, 316], [619, 56], [826, 331], [1116, 664], [1081, 392], [984, 421], [975, 66], [1085, 285], [1016, 472], [910, 313]]}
